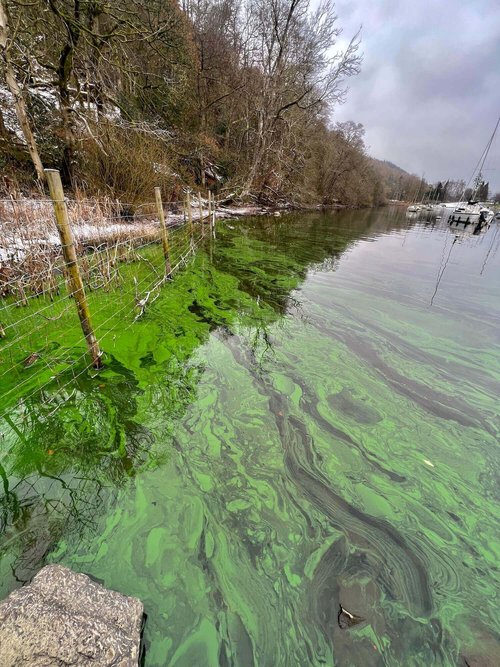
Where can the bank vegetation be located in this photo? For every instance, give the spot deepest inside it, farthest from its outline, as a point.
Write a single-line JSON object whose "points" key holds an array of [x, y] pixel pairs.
{"points": [[238, 97]]}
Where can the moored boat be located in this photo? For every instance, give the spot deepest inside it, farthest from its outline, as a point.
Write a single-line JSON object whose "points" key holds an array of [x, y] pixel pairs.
{"points": [[471, 213], [474, 212]]}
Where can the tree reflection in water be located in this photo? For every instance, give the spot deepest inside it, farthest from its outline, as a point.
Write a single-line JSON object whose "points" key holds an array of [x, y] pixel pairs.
{"points": [[66, 453], [68, 449]]}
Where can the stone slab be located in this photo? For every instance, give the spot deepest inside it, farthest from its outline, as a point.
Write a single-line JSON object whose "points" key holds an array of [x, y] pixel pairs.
{"points": [[63, 619]]}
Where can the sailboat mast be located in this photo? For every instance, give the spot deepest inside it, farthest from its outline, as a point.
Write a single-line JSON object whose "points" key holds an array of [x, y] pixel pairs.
{"points": [[479, 166]]}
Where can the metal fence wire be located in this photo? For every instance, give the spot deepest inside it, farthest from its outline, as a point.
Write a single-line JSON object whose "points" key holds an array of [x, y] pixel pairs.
{"points": [[56, 253]]}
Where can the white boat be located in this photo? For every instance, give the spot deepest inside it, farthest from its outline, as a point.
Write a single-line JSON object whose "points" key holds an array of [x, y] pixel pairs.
{"points": [[471, 213], [413, 208]]}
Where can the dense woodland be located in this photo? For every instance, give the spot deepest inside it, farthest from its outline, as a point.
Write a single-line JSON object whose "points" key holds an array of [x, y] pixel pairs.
{"points": [[236, 96]]}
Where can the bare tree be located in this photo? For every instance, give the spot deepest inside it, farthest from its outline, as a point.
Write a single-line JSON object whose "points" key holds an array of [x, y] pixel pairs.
{"points": [[292, 47], [15, 90], [229, 93]]}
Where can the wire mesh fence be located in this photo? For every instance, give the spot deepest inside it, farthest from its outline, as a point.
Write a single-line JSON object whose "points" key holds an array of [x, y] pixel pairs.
{"points": [[124, 256], [65, 448]]}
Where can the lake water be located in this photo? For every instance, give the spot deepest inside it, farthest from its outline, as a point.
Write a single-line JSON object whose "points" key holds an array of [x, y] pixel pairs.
{"points": [[308, 416]]}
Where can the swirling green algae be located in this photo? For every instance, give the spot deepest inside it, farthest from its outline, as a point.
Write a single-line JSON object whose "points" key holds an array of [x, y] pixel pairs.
{"points": [[304, 457]]}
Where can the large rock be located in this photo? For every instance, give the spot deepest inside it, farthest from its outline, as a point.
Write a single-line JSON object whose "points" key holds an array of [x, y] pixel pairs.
{"points": [[63, 618]]}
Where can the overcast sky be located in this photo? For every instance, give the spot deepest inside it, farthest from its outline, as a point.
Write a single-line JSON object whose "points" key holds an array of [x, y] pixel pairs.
{"points": [[429, 91]]}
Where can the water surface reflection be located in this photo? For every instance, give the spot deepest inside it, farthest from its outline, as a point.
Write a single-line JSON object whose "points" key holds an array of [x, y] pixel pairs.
{"points": [[307, 420]]}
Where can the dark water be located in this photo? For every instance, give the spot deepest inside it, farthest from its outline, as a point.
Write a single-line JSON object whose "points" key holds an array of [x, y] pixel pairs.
{"points": [[308, 416]]}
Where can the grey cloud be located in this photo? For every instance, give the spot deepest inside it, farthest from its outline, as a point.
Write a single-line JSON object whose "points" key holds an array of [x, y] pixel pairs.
{"points": [[429, 92]]}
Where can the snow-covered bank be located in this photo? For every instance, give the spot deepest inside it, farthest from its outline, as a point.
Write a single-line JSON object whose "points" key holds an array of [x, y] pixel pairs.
{"points": [[27, 226]]}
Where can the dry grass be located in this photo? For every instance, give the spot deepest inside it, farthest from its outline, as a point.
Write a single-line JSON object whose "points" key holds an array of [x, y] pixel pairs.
{"points": [[31, 255], [107, 232], [126, 162]]}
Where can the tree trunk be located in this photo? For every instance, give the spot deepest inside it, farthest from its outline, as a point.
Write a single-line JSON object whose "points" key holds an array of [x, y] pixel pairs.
{"points": [[258, 154], [65, 72], [15, 89]]}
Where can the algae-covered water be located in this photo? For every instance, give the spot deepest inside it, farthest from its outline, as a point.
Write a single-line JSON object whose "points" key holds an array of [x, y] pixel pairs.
{"points": [[306, 417]]}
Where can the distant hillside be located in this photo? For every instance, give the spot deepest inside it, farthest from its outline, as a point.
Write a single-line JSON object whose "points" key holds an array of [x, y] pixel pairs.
{"points": [[398, 183], [388, 163]]}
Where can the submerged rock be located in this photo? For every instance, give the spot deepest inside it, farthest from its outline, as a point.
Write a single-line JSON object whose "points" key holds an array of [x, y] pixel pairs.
{"points": [[351, 406], [30, 360], [478, 661], [64, 618], [346, 619]]}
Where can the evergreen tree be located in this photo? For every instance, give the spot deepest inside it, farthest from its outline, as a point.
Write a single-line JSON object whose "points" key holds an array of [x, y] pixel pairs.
{"points": [[439, 191]]}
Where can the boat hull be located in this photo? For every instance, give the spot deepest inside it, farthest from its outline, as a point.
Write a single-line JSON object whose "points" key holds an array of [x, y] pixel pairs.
{"points": [[471, 215], [466, 217]]}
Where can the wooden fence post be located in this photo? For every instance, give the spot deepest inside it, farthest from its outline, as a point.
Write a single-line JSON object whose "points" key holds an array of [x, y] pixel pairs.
{"points": [[201, 211], [190, 219], [214, 212], [69, 254], [164, 232]]}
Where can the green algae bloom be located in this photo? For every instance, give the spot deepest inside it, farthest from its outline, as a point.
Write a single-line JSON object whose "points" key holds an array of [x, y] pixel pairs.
{"points": [[305, 419]]}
